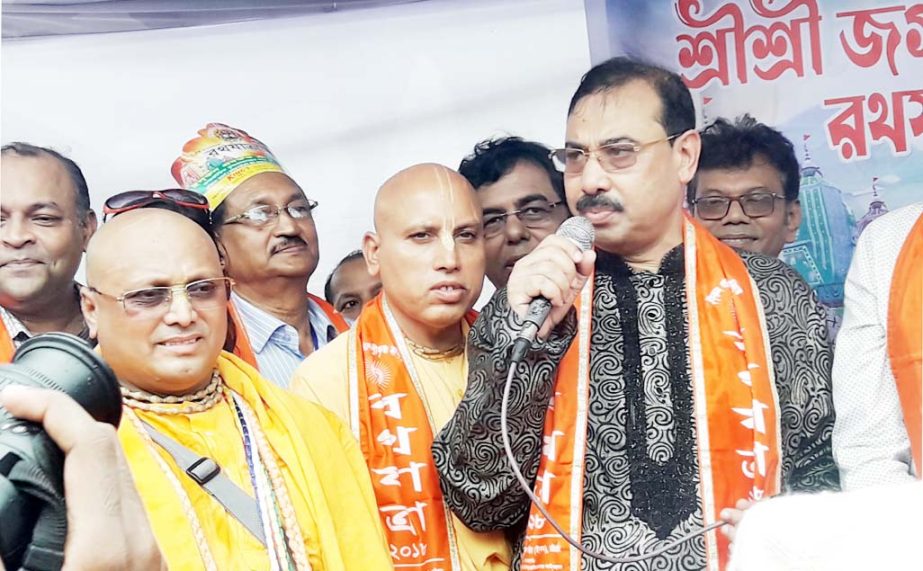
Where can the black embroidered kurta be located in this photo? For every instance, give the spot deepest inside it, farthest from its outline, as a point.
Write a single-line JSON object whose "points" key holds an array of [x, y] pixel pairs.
{"points": [[641, 476]]}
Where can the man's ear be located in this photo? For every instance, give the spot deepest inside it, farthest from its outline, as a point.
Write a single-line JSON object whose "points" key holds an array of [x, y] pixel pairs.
{"points": [[90, 223], [686, 149], [371, 243], [792, 220], [222, 253], [89, 308]]}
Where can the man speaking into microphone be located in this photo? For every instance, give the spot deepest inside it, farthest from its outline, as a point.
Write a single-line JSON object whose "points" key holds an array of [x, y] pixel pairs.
{"points": [[672, 377]]}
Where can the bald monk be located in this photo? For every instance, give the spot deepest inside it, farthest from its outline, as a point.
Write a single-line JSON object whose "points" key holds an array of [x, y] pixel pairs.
{"points": [[159, 310], [401, 371]]}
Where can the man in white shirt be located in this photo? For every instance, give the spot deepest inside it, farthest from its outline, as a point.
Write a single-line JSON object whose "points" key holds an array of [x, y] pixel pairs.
{"points": [[871, 437]]}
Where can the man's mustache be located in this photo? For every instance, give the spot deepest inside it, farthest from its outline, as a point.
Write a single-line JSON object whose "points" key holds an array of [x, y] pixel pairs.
{"points": [[288, 242], [599, 201]]}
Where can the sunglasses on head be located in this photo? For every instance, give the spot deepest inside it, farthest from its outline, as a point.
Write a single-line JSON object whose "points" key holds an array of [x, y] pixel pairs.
{"points": [[191, 204]]}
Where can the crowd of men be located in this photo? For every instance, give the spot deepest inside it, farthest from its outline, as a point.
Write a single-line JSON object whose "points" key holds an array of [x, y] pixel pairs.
{"points": [[683, 374]]}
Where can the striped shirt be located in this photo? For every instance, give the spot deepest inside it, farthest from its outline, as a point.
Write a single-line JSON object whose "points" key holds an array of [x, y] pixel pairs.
{"points": [[14, 327], [275, 343], [19, 333]]}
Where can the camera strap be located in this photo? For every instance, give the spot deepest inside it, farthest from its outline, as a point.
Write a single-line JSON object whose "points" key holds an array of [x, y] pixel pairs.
{"points": [[207, 473]]}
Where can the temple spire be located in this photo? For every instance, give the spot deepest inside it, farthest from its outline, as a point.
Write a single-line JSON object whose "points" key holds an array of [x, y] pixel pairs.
{"points": [[808, 168]]}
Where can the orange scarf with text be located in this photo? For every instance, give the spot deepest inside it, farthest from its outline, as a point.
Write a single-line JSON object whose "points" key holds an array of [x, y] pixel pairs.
{"points": [[905, 337], [736, 410], [395, 432]]}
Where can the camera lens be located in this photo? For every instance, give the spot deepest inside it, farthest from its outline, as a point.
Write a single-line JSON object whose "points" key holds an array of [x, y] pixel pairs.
{"points": [[33, 516], [67, 363]]}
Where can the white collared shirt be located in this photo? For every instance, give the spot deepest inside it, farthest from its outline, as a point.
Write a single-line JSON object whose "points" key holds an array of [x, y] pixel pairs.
{"points": [[870, 442]]}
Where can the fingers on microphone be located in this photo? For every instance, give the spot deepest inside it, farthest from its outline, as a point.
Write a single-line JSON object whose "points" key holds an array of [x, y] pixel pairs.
{"points": [[564, 244], [584, 260], [587, 262], [552, 288], [548, 271], [554, 260]]}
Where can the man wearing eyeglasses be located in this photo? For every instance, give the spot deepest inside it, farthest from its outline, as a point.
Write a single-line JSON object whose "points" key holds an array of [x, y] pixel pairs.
{"points": [[265, 231], [45, 223], [522, 196], [233, 471], [746, 188], [672, 378]]}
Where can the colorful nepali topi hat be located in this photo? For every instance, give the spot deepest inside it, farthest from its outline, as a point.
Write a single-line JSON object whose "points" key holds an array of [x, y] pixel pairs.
{"points": [[219, 160]]}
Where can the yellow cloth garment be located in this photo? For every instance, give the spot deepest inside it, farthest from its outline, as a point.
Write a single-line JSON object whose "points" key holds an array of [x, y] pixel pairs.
{"points": [[323, 378], [320, 461]]}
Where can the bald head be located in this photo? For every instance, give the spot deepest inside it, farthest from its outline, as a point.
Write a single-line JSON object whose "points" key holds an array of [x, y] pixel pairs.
{"points": [[428, 181], [161, 344], [428, 250], [147, 236]]}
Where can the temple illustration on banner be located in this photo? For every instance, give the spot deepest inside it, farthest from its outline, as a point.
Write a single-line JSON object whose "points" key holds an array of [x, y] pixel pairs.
{"points": [[877, 207], [827, 237], [823, 248]]}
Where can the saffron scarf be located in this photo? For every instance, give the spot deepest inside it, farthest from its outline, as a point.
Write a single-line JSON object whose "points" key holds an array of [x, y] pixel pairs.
{"points": [[325, 478], [905, 337], [395, 431], [7, 349], [735, 407]]}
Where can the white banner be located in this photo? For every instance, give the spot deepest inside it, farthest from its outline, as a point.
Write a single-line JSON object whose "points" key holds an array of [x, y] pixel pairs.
{"points": [[344, 100]]}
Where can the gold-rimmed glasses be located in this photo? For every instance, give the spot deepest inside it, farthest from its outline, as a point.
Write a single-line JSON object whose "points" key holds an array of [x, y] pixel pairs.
{"points": [[201, 294]]}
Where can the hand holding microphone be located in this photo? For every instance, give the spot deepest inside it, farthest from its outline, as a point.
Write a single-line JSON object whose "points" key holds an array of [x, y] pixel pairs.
{"points": [[544, 284], [541, 289]]}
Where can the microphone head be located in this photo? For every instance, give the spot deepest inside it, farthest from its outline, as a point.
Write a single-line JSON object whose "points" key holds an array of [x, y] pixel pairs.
{"points": [[578, 230]]}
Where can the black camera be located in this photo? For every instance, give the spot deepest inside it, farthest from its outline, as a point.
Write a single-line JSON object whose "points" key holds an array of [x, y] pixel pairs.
{"points": [[33, 516]]}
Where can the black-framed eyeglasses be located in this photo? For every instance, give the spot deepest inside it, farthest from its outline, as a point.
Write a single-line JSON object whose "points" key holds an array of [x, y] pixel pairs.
{"points": [[201, 294], [754, 205], [535, 216], [259, 216], [614, 157]]}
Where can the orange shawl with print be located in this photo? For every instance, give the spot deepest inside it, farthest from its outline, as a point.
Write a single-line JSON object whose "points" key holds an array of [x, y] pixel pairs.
{"points": [[395, 432], [736, 409], [905, 337], [244, 350]]}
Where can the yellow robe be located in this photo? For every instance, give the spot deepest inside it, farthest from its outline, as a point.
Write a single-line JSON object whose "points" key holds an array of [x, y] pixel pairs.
{"points": [[320, 461], [323, 378]]}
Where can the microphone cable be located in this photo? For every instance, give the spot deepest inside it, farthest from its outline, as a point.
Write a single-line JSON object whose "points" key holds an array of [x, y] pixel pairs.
{"points": [[505, 435]]}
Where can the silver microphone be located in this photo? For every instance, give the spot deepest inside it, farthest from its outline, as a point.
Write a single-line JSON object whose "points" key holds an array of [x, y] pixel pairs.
{"points": [[578, 230]]}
